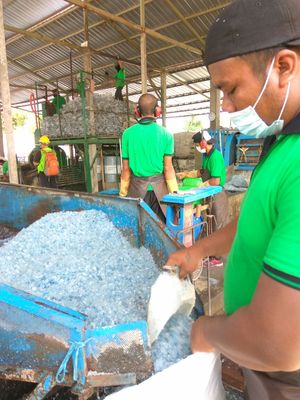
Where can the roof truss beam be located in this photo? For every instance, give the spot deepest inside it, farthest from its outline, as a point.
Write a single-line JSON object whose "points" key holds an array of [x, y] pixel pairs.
{"points": [[151, 32]]}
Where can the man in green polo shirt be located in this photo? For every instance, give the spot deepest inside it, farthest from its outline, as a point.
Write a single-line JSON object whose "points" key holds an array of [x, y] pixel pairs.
{"points": [[253, 55], [213, 171], [119, 80], [57, 102], [147, 150]]}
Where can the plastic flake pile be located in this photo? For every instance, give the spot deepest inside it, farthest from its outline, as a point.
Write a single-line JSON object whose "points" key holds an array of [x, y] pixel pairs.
{"points": [[110, 118], [82, 261]]}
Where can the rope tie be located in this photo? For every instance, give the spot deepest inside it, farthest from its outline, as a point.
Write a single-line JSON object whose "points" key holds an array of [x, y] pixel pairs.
{"points": [[73, 351]]}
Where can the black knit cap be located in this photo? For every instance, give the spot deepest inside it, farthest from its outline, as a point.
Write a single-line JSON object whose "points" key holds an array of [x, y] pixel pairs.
{"points": [[246, 26]]}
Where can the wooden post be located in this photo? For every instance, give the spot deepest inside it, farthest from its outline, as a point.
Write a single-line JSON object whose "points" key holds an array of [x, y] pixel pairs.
{"points": [[143, 48], [5, 94], [1, 138], [163, 82], [214, 115], [90, 105]]}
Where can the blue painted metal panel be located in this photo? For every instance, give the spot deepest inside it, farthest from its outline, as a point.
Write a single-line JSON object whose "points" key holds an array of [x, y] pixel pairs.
{"points": [[192, 195], [41, 307], [226, 144], [41, 335]]}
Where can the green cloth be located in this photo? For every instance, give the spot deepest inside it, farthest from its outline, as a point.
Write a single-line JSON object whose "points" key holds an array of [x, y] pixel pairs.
{"points": [[41, 165], [80, 88], [58, 102], [120, 78], [145, 146], [5, 167], [215, 164], [268, 232]]}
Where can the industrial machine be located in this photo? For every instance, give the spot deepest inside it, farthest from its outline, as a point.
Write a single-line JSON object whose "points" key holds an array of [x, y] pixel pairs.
{"points": [[48, 344], [248, 151], [183, 214]]}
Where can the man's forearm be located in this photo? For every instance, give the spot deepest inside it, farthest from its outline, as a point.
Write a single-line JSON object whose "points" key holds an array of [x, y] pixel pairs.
{"points": [[219, 243], [238, 339]]}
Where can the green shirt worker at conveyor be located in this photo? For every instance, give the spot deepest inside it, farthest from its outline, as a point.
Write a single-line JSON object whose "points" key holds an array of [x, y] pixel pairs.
{"points": [[213, 172], [147, 150], [39, 161], [119, 80], [57, 102], [253, 55]]}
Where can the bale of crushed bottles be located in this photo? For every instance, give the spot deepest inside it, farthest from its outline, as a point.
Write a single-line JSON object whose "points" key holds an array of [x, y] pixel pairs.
{"points": [[110, 118]]}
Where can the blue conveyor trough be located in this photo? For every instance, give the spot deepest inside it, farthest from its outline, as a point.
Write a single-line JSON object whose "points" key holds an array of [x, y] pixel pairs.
{"points": [[48, 344]]}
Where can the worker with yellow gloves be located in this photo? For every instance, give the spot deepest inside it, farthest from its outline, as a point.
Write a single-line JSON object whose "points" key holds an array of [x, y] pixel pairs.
{"points": [[147, 150]]}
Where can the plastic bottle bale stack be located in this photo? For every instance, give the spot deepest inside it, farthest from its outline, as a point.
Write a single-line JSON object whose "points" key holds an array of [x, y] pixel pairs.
{"points": [[110, 118]]}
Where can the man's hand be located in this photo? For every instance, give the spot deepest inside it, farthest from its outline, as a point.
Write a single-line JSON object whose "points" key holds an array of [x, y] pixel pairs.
{"points": [[198, 341], [187, 260]]}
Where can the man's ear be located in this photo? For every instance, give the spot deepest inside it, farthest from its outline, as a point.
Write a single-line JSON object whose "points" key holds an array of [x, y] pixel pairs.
{"points": [[287, 64]]}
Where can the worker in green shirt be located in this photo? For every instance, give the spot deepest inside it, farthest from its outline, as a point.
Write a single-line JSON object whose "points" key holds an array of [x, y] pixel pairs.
{"points": [[58, 101], [119, 80], [147, 150], [213, 172], [252, 53], [4, 169]]}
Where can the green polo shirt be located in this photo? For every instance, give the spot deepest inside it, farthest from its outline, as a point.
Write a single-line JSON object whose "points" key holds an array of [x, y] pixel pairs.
{"points": [[215, 164], [145, 146], [120, 78], [5, 167], [58, 102], [268, 231]]}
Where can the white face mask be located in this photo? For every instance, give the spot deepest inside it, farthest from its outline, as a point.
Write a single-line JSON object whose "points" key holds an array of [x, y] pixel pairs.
{"points": [[198, 148], [248, 122]]}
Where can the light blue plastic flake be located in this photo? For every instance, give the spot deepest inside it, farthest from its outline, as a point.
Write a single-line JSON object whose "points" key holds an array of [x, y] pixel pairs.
{"points": [[82, 261]]}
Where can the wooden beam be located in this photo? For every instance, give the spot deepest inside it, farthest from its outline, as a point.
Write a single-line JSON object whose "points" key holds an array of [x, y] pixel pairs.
{"points": [[91, 173], [55, 16], [44, 38], [173, 85], [186, 84], [163, 82], [6, 103], [172, 23], [60, 42], [187, 94], [185, 21], [188, 115], [28, 70], [1, 138], [109, 16], [156, 89], [189, 110], [188, 103], [78, 32], [103, 67], [112, 45], [143, 48]]}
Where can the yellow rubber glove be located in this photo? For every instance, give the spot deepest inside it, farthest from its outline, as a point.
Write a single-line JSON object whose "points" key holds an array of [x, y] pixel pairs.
{"points": [[206, 183], [172, 185], [124, 186], [181, 175], [192, 174]]}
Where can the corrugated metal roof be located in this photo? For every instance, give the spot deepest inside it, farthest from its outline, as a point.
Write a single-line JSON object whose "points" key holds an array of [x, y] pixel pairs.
{"points": [[34, 60]]}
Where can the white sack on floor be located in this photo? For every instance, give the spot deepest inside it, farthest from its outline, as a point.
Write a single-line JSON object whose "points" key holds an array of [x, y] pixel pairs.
{"points": [[196, 377]]}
